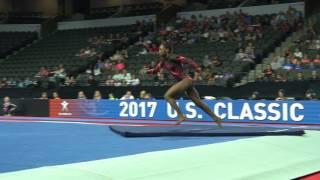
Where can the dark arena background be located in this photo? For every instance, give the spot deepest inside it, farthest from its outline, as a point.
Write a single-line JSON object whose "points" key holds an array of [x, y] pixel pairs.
{"points": [[87, 89]]}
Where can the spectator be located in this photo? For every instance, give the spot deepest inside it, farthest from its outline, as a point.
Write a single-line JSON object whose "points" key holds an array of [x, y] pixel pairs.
{"points": [[268, 72], [117, 56], [97, 95], [298, 53], [281, 95], [118, 77], [216, 61], [108, 64], [254, 96], [70, 81], [143, 70], [60, 74], [8, 107], [120, 65], [100, 64], [242, 56], [43, 72], [317, 59], [133, 81], [111, 96], [206, 61], [92, 81], [44, 95], [300, 76], [81, 95], [28, 82], [96, 71], [310, 95], [148, 96], [127, 96], [126, 77], [305, 59], [276, 62], [110, 81], [279, 78], [260, 78], [314, 75], [55, 95], [4, 83], [143, 51], [142, 94]]}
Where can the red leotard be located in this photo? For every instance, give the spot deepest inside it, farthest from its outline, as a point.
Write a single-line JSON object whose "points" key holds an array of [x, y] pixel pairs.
{"points": [[174, 65]]}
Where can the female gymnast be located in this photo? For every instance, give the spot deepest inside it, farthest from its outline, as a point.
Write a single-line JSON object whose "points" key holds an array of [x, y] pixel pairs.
{"points": [[174, 64]]}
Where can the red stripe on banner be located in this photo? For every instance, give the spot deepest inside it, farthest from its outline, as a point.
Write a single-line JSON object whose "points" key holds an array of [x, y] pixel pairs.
{"points": [[154, 121], [195, 121], [313, 176]]}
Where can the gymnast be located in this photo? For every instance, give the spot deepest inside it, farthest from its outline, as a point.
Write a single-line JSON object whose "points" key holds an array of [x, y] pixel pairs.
{"points": [[175, 65]]}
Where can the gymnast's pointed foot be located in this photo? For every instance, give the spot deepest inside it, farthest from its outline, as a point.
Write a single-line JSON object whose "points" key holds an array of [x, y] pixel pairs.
{"points": [[181, 119], [218, 120]]}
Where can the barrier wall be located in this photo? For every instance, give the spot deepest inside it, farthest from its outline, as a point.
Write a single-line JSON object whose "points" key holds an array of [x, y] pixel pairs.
{"points": [[252, 10], [287, 112], [30, 107], [21, 28], [267, 90], [109, 22]]}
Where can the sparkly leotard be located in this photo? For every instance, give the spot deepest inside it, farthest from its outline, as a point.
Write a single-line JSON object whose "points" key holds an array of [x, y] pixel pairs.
{"points": [[174, 65]]}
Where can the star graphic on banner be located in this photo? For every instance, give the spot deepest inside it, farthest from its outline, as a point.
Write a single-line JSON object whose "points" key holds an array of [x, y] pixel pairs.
{"points": [[64, 105]]}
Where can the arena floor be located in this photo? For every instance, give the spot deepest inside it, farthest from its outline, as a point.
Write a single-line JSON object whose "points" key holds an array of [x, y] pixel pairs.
{"points": [[46, 148]]}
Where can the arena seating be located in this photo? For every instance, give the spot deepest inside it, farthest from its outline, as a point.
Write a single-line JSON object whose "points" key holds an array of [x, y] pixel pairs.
{"points": [[11, 41], [211, 4], [59, 48], [126, 10], [290, 69], [225, 50]]}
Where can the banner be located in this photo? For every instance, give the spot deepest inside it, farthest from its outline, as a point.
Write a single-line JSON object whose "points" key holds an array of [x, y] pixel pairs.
{"points": [[287, 112]]}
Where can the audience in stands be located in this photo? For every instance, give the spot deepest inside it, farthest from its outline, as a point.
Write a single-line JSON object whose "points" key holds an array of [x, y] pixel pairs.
{"points": [[59, 75], [142, 94], [111, 96], [310, 95], [127, 96], [243, 56], [268, 72], [8, 107], [97, 95], [239, 27], [254, 95], [44, 95], [81, 95], [133, 81], [43, 72], [281, 95], [314, 75], [277, 62], [55, 95], [70, 81]]}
